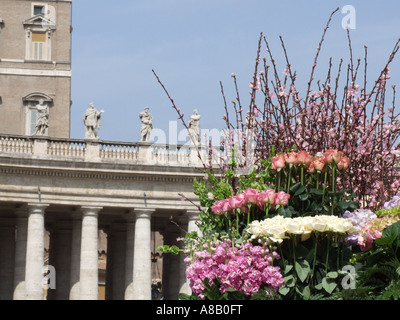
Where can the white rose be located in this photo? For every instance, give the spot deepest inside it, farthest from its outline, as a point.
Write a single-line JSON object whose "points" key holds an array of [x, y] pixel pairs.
{"points": [[320, 224], [295, 226]]}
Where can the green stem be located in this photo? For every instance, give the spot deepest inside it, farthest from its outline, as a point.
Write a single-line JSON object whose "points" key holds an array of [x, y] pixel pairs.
{"points": [[302, 175], [315, 258], [324, 188], [294, 249], [282, 258], [338, 256], [279, 180], [288, 182], [237, 223], [327, 255], [267, 209], [333, 187]]}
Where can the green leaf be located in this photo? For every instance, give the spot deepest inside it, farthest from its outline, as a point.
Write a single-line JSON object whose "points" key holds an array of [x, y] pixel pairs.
{"points": [[329, 286], [318, 286], [389, 235], [288, 268], [302, 268], [303, 197], [300, 190], [332, 275], [289, 281], [306, 293], [183, 296], [284, 290], [295, 187], [316, 191]]}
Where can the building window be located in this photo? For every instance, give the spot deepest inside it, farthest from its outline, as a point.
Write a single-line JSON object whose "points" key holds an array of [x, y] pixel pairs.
{"points": [[38, 46], [37, 9], [39, 32], [37, 106], [32, 119]]}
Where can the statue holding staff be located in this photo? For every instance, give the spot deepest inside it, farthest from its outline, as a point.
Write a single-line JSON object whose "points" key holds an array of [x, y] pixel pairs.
{"points": [[147, 124], [92, 119]]}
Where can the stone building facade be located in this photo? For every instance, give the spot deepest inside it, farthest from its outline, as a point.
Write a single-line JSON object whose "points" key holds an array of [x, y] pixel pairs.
{"points": [[84, 215], [35, 64]]}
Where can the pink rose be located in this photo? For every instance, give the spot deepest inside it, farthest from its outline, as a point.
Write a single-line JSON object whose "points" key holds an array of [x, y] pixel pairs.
{"points": [[319, 164], [304, 157], [226, 206], [344, 163], [291, 158], [311, 167], [217, 208], [278, 162], [238, 201], [328, 155], [251, 195], [282, 198], [333, 155], [267, 196]]}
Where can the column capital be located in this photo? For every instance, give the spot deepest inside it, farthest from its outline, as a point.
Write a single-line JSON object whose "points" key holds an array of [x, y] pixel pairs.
{"points": [[143, 212], [192, 214], [37, 207], [90, 210]]}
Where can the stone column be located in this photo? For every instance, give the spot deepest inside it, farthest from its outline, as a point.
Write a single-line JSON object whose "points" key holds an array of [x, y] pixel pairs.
{"points": [[130, 241], [74, 291], [89, 271], [60, 259], [142, 255], [35, 252], [20, 254], [7, 259], [171, 280], [118, 262], [193, 220], [109, 263]]}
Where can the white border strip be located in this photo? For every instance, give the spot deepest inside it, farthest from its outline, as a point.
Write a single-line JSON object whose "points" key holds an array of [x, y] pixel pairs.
{"points": [[36, 72]]}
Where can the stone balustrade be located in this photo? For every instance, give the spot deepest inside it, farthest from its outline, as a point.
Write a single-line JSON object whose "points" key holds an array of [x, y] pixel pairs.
{"points": [[99, 150]]}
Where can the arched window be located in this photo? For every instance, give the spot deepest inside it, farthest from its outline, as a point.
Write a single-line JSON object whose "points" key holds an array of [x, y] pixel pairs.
{"points": [[31, 102]]}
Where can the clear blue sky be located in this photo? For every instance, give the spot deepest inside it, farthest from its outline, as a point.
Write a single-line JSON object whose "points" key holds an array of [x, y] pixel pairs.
{"points": [[192, 45]]}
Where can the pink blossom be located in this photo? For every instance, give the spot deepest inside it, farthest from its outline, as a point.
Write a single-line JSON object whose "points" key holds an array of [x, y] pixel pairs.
{"points": [[271, 95], [245, 268]]}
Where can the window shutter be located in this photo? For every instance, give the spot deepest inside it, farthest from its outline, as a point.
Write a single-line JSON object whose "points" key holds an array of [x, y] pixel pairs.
{"points": [[38, 45], [33, 116], [38, 50]]}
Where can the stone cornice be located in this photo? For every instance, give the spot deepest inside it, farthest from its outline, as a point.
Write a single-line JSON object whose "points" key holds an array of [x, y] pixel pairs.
{"points": [[94, 175], [65, 169]]}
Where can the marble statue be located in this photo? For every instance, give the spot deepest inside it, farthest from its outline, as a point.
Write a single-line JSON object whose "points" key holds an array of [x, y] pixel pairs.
{"points": [[194, 128], [92, 119], [147, 124], [42, 122]]}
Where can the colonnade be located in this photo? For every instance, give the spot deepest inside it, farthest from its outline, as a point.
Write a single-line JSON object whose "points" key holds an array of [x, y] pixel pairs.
{"points": [[73, 255]]}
